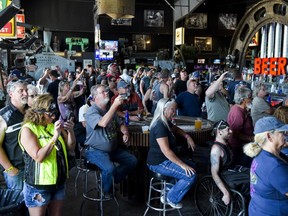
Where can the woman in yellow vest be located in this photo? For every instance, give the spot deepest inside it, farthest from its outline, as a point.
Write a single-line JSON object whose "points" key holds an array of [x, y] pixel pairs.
{"points": [[45, 145]]}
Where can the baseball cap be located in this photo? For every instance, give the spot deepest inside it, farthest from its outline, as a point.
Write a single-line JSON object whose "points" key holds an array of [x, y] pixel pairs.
{"points": [[164, 73], [196, 74], [269, 123], [122, 84]]}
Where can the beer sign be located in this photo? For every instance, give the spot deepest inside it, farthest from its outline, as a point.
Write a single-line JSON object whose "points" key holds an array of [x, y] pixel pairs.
{"points": [[270, 66], [8, 30]]}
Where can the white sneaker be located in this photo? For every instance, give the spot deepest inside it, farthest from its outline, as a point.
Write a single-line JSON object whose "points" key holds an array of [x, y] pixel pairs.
{"points": [[174, 205]]}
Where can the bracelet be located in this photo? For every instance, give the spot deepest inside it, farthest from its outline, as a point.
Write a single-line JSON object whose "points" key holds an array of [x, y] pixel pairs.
{"points": [[9, 169], [186, 136]]}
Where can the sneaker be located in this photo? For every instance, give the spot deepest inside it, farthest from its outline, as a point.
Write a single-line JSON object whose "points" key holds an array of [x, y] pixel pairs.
{"points": [[107, 195], [174, 205]]}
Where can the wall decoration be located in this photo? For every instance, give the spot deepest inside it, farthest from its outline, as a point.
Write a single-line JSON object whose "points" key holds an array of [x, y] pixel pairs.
{"points": [[203, 43], [121, 22], [196, 21], [154, 18], [227, 21], [179, 36], [142, 42], [255, 40]]}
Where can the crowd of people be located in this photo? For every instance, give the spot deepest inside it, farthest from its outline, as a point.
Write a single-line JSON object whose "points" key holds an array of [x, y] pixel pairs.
{"points": [[41, 122]]}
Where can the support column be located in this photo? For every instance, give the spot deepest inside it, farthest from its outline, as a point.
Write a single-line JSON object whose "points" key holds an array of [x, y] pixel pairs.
{"points": [[271, 38], [278, 40], [263, 49], [285, 42]]}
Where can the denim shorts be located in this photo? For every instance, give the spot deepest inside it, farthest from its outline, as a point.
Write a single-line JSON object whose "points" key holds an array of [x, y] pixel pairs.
{"points": [[38, 197]]}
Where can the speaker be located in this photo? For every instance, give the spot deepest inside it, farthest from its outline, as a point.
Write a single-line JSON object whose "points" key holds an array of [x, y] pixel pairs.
{"points": [[8, 13]]}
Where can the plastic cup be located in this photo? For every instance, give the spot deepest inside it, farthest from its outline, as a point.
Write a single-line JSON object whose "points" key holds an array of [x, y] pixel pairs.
{"points": [[198, 124], [145, 129]]}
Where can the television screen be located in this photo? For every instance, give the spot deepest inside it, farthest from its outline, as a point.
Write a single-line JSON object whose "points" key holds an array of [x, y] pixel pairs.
{"points": [[216, 61], [108, 45], [201, 61], [104, 54]]}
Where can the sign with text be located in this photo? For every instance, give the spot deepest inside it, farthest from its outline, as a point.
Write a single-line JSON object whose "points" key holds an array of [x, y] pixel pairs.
{"points": [[8, 30], [20, 29], [270, 66]]}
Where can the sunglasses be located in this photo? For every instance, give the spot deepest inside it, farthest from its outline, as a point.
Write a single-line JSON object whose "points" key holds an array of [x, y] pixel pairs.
{"points": [[222, 125], [52, 113]]}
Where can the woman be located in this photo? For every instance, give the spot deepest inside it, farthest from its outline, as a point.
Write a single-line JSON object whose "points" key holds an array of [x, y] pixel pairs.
{"points": [[269, 171], [240, 123], [66, 98], [161, 156], [45, 147], [32, 93]]}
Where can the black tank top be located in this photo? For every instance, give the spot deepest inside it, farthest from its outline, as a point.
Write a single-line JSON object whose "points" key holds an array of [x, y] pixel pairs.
{"points": [[13, 119], [227, 160]]}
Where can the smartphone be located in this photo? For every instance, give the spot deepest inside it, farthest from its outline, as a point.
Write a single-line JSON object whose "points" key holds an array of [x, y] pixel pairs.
{"points": [[124, 96], [70, 116]]}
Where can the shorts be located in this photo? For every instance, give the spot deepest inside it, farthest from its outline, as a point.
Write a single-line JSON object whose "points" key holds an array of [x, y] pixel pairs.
{"points": [[34, 197]]}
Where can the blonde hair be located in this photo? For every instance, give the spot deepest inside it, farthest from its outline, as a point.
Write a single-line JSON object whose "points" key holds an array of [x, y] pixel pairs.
{"points": [[41, 103], [252, 149], [281, 113]]}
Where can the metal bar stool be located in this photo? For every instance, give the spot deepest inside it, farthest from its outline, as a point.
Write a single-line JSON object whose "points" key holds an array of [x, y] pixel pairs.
{"points": [[96, 193], [81, 167], [158, 187]]}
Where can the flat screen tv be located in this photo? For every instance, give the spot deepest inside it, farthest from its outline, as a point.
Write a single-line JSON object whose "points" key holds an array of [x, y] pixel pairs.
{"points": [[108, 45], [104, 54], [217, 61]]}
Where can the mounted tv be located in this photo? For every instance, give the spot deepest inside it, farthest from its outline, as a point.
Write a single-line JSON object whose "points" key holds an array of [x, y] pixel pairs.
{"points": [[201, 61], [108, 45], [217, 61], [104, 54]]}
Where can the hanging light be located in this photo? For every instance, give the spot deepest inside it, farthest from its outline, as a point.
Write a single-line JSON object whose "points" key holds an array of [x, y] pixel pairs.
{"points": [[116, 8]]}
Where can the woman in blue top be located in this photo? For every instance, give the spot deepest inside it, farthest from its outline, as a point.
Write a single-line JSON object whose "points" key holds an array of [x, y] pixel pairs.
{"points": [[269, 169]]}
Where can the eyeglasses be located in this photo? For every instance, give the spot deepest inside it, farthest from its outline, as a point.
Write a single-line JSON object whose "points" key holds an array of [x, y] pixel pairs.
{"points": [[33, 96]]}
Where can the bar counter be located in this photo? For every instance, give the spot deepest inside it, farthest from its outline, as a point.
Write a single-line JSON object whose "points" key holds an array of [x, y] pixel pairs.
{"points": [[200, 137]]}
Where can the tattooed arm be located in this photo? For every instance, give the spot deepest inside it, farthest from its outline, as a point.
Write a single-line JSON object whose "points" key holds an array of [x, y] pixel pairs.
{"points": [[215, 157]]}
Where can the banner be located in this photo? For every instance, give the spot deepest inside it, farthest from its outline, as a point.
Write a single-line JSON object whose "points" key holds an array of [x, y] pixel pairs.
{"points": [[20, 29], [8, 31]]}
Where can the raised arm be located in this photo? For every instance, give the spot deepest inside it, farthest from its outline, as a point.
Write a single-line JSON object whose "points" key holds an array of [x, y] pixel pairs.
{"points": [[214, 87]]}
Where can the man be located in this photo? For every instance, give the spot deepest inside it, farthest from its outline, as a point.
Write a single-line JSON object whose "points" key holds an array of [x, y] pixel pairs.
{"points": [[188, 102], [160, 88], [102, 130], [232, 85], [260, 107], [53, 86], [181, 84], [131, 102], [222, 167], [216, 103], [11, 117], [145, 81]]}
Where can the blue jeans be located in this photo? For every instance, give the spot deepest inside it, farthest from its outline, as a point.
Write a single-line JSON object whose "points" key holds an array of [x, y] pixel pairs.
{"points": [[184, 182], [14, 182], [104, 160]]}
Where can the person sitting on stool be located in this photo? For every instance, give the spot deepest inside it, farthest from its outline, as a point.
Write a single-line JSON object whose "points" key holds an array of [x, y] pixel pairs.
{"points": [[101, 142], [161, 156]]}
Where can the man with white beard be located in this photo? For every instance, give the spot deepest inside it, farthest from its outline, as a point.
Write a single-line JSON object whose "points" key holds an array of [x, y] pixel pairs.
{"points": [[101, 142], [11, 117]]}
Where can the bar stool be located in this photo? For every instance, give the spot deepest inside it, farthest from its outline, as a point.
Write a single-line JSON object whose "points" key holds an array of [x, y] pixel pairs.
{"points": [[159, 185], [96, 193], [80, 166]]}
